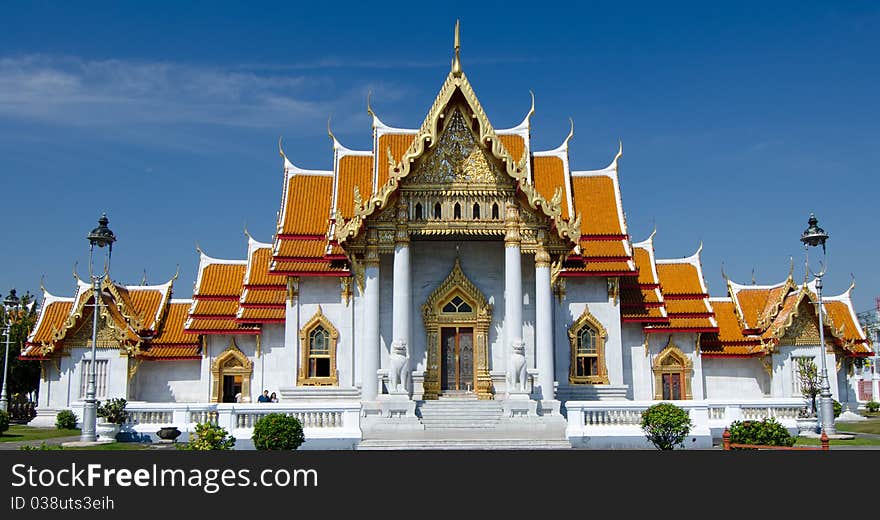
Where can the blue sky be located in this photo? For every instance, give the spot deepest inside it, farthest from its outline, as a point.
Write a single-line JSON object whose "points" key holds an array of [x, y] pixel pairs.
{"points": [[737, 120]]}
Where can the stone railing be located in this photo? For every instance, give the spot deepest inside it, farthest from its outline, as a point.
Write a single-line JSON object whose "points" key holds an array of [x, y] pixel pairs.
{"points": [[325, 420], [616, 424]]}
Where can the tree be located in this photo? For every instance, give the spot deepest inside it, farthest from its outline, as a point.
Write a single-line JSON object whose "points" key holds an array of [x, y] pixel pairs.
{"points": [[23, 377], [810, 380], [666, 425], [278, 431]]}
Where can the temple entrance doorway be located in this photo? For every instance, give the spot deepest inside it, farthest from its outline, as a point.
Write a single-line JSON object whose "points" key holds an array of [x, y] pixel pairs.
{"points": [[457, 369]]}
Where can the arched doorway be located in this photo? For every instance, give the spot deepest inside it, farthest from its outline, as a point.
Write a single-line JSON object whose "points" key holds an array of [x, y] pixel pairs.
{"points": [[231, 373], [457, 318]]}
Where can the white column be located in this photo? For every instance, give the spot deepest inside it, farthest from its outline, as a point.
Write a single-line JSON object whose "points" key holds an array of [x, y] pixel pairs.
{"points": [[370, 342], [544, 324], [513, 295], [291, 325], [875, 379], [401, 304]]}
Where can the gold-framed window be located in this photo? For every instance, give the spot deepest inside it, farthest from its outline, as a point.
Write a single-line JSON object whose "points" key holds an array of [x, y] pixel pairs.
{"points": [[318, 338], [587, 337]]}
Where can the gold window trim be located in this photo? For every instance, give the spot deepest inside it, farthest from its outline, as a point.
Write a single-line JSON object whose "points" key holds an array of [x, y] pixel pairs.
{"points": [[588, 320], [303, 378], [220, 368], [684, 367], [480, 317]]}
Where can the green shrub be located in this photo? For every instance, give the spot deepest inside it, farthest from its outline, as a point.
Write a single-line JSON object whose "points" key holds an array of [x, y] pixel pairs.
{"points": [[4, 421], [277, 431], [65, 420], [209, 436], [666, 425], [767, 432], [837, 408], [872, 406], [113, 410]]}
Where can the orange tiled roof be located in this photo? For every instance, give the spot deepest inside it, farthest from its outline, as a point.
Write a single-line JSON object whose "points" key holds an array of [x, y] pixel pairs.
{"points": [[52, 317], [842, 318], [515, 146], [214, 307], [157, 352], [604, 249], [312, 248], [688, 306], [258, 269], [171, 332], [548, 172], [149, 303], [265, 297], [216, 325], [398, 143], [729, 340], [306, 210], [611, 268], [354, 170], [643, 314], [679, 279], [282, 266], [596, 200], [221, 279], [251, 315]]}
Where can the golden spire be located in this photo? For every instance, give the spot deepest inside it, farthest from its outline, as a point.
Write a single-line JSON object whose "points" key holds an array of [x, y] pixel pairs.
{"points": [[456, 61]]}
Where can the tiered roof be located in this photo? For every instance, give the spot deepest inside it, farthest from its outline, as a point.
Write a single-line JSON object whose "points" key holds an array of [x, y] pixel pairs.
{"points": [[216, 297], [263, 294], [754, 319], [641, 300], [685, 296], [145, 320]]}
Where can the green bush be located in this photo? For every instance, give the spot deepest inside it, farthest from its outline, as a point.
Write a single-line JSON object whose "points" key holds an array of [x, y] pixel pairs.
{"points": [[767, 432], [837, 408], [666, 425], [277, 431], [4, 421], [65, 420], [113, 410], [209, 436], [872, 406]]}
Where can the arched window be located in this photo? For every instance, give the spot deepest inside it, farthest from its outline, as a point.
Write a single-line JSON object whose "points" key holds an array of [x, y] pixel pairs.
{"points": [[231, 376], [456, 211], [318, 344], [476, 211], [587, 337], [419, 211], [437, 211], [457, 304], [495, 211], [672, 374]]}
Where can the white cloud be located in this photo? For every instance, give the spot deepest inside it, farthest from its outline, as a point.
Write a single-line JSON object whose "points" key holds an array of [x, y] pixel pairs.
{"points": [[124, 94]]}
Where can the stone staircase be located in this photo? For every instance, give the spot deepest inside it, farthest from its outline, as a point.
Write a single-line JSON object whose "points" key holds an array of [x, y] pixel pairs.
{"points": [[457, 413], [461, 422]]}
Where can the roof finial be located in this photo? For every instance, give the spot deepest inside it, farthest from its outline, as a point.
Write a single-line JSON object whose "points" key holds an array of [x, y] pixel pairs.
{"points": [[619, 153], [75, 274], [199, 249], [791, 268], [570, 131], [42, 282], [280, 147], [852, 283], [144, 279], [723, 274], [456, 61], [329, 131], [699, 249], [370, 108], [246, 232], [176, 273], [532, 108], [654, 232]]}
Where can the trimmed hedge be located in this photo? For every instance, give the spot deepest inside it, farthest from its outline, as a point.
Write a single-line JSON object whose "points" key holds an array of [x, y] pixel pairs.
{"points": [[277, 431], [208, 437], [767, 432], [65, 420], [666, 425]]}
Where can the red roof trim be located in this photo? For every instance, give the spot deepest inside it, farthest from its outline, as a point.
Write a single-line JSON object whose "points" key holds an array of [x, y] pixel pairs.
{"points": [[571, 274], [225, 332], [588, 259], [314, 273], [210, 316], [691, 314], [300, 237], [679, 329], [640, 286], [603, 237], [633, 319], [694, 296], [263, 306], [265, 287], [719, 355], [261, 320], [307, 259], [215, 298], [645, 304]]}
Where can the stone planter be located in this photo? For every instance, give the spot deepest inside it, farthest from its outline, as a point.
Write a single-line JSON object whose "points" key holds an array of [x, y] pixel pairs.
{"points": [[107, 431], [168, 434], [808, 426]]}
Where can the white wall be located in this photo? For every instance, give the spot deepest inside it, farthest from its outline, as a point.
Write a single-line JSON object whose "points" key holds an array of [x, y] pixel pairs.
{"points": [[168, 382], [735, 378]]}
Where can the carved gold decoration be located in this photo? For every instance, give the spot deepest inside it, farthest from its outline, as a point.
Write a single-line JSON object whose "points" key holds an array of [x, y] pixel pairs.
{"points": [[231, 362], [671, 360], [613, 289], [133, 365], [767, 363], [292, 289], [258, 338], [303, 378], [512, 236], [542, 257], [589, 321], [429, 135], [559, 289], [345, 288], [457, 284]]}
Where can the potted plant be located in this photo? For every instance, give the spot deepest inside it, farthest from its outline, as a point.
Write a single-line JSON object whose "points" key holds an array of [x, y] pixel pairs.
{"points": [[113, 413], [807, 422]]}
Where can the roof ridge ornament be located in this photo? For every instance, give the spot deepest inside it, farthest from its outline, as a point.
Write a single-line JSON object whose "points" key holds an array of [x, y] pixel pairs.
{"points": [[723, 274], [144, 279], [618, 155], [370, 108], [456, 60]]}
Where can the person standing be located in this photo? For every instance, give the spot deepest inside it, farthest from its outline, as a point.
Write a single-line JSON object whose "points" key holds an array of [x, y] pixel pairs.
{"points": [[264, 398], [273, 398]]}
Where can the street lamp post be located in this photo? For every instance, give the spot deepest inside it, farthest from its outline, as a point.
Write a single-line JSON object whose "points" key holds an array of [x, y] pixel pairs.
{"points": [[811, 237], [100, 236], [9, 304]]}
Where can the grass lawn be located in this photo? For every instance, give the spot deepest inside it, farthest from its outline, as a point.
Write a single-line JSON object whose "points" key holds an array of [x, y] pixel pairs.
{"points": [[872, 425], [116, 446], [19, 432], [858, 441]]}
